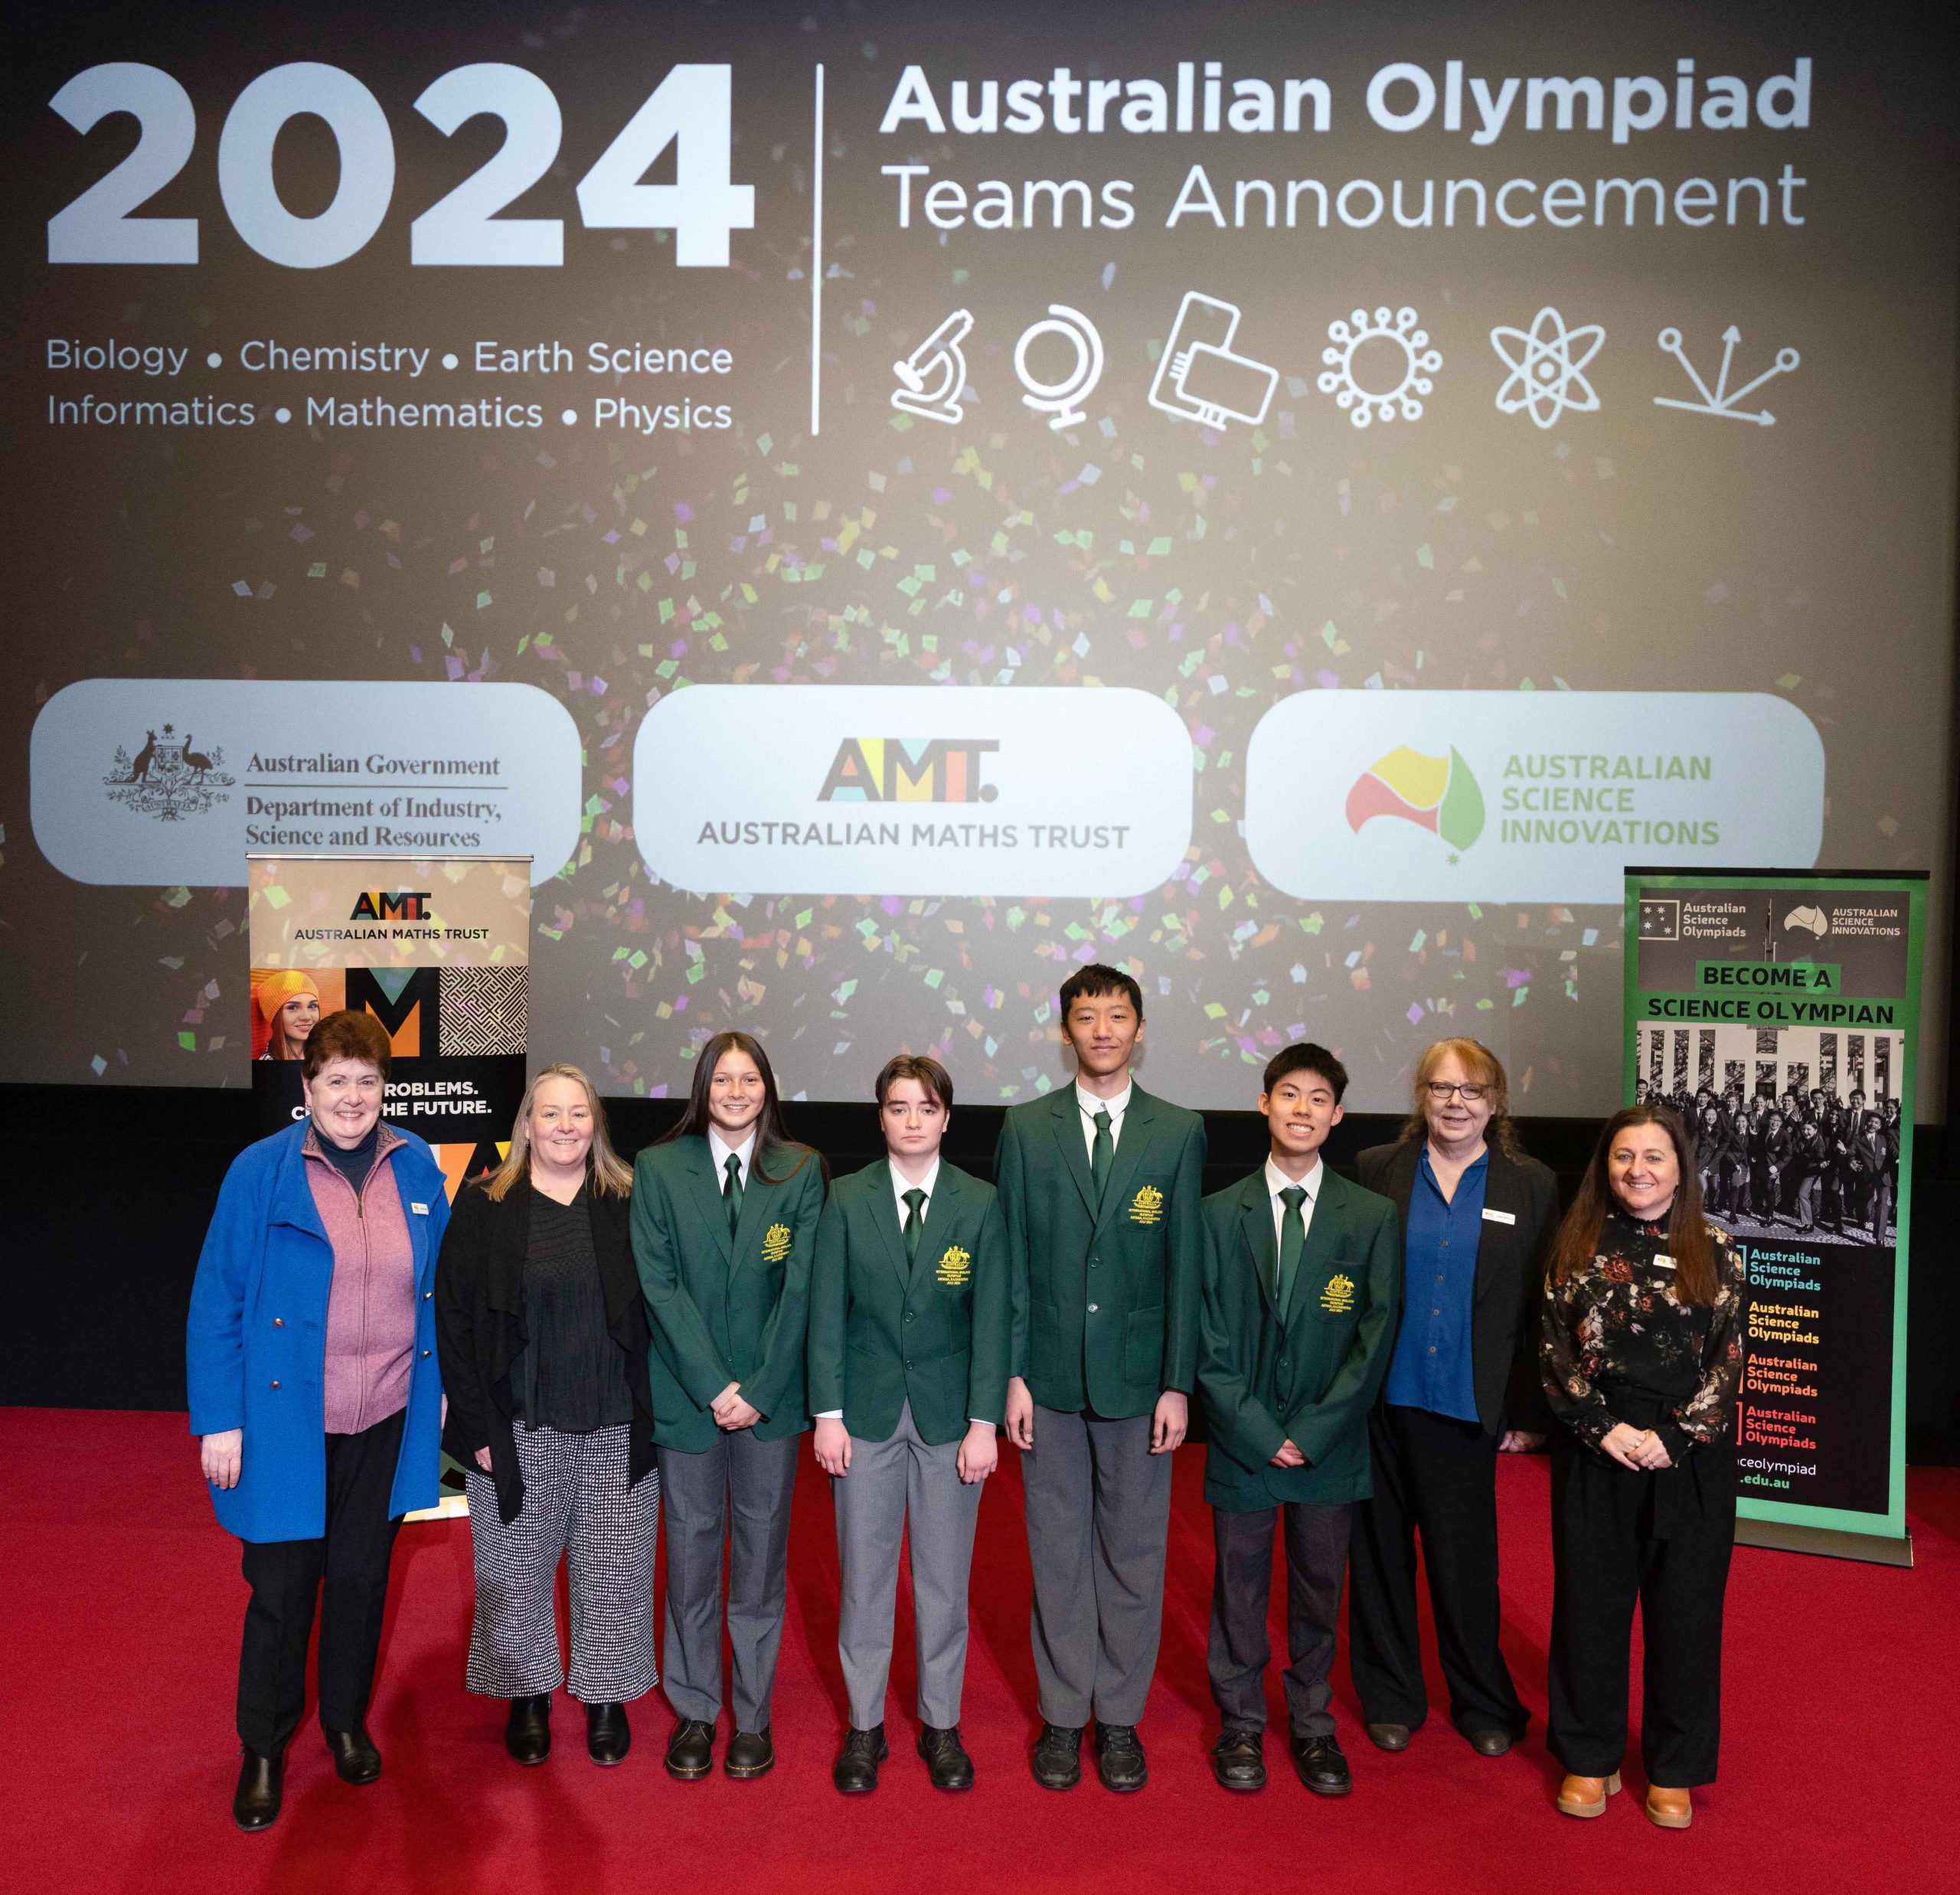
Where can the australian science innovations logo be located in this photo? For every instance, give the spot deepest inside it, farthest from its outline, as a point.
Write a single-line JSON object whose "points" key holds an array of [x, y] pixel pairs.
{"points": [[909, 770], [1436, 793]]}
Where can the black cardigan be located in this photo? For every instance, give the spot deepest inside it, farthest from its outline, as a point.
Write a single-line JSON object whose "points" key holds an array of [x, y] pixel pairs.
{"points": [[480, 1331], [1510, 1276]]}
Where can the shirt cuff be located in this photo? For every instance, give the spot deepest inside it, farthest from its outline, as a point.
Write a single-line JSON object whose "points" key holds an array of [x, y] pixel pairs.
{"points": [[829, 1414]]}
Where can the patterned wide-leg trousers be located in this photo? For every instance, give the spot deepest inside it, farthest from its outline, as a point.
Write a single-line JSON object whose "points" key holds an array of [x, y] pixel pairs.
{"points": [[576, 1504]]}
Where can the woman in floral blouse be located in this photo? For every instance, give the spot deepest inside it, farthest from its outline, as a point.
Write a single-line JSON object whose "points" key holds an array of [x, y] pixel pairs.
{"points": [[1641, 1349]]}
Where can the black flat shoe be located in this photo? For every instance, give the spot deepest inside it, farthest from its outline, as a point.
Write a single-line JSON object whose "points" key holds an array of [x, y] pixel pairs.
{"points": [[355, 1758], [1119, 1758], [946, 1761], [691, 1749], [855, 1772], [751, 1753], [1057, 1760], [1389, 1737], [1321, 1767], [527, 1736], [1238, 1760], [1491, 1744], [607, 1737], [261, 1782]]}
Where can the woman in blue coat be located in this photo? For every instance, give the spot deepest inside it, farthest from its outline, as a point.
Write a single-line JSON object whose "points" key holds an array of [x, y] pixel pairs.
{"points": [[314, 1391]]}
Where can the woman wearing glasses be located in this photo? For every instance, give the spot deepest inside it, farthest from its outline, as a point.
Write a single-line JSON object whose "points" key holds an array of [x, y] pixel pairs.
{"points": [[1477, 1217]]}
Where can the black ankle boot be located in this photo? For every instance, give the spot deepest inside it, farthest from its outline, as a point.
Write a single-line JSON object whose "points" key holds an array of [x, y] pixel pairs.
{"points": [[527, 1736]]}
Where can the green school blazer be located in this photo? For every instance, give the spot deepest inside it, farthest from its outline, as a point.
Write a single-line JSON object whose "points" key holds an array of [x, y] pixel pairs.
{"points": [[1311, 1379], [725, 1309], [1105, 1296], [936, 1336]]}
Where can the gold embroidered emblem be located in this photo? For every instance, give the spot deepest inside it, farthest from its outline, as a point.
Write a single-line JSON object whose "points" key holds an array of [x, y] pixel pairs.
{"points": [[776, 1243], [1338, 1297], [1147, 1207], [955, 1267]]}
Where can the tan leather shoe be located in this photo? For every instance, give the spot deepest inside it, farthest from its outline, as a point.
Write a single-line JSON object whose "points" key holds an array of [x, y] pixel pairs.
{"points": [[1586, 1796], [1670, 1808]]}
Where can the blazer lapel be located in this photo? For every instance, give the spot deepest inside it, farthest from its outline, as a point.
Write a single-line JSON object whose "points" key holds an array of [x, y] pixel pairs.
{"points": [[510, 1239], [292, 1196], [1065, 1116], [712, 1207], [1138, 1122], [1256, 1220], [1494, 1240], [1323, 1238], [883, 1211]]}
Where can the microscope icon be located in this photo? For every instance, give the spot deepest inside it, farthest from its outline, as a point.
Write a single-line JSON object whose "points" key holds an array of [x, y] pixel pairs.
{"points": [[932, 378]]}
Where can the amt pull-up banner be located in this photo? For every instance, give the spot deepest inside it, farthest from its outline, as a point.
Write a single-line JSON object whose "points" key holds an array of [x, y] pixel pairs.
{"points": [[437, 948], [1779, 1014]]}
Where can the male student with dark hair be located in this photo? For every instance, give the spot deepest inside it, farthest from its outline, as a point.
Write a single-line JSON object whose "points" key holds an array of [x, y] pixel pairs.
{"points": [[1100, 1184], [1301, 1273], [908, 1381]]}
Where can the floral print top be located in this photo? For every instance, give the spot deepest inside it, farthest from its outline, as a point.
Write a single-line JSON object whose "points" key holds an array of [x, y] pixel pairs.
{"points": [[1616, 1321]]}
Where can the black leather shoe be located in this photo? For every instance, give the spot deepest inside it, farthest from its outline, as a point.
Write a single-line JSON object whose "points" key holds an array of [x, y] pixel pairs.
{"points": [[261, 1782], [1119, 1761], [691, 1749], [1238, 1760], [856, 1770], [527, 1736], [1389, 1736], [607, 1735], [1321, 1767], [751, 1753], [1057, 1761], [946, 1761], [355, 1758], [1491, 1744]]}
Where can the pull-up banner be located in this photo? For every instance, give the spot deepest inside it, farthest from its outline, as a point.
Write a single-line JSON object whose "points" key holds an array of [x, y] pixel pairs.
{"points": [[1779, 1014], [438, 949]]}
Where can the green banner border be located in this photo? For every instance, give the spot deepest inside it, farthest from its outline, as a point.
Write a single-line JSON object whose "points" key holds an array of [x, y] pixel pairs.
{"points": [[1912, 883]]}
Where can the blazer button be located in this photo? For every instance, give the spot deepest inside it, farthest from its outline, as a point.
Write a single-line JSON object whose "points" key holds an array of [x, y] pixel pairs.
{"points": [[425, 1355], [426, 1294], [278, 1322], [1092, 1309], [275, 1384], [908, 1315]]}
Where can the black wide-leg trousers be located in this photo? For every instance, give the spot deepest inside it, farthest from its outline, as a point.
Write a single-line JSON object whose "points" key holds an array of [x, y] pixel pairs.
{"points": [[1662, 1540], [1436, 1476], [347, 1571]]}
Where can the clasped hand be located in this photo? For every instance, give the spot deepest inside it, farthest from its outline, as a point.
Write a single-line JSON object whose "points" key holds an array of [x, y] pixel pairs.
{"points": [[1638, 1450], [731, 1412]]}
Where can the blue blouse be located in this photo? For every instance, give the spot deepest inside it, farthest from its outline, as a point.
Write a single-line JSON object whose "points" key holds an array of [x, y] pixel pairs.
{"points": [[1431, 1367]]}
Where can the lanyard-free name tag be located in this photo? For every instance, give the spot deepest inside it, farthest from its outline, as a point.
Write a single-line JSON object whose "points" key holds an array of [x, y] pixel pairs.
{"points": [[421, 1210], [1662, 1262], [1499, 1217]]}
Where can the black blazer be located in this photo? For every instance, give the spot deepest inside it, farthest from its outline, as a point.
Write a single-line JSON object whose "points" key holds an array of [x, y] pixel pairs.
{"points": [[1510, 1276], [480, 1331]]}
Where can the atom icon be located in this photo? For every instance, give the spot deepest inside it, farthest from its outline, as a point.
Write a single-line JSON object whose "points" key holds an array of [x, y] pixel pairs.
{"points": [[1419, 363], [1547, 364]]}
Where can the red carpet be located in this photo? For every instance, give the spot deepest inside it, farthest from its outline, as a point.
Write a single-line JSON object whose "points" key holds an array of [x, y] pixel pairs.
{"points": [[123, 1620]]}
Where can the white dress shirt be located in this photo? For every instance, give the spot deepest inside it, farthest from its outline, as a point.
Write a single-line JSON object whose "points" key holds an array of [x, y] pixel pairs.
{"points": [[1115, 1107], [1276, 1180], [719, 1152], [900, 1186]]}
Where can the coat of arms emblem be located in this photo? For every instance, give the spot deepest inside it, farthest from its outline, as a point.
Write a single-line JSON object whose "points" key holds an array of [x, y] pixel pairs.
{"points": [[169, 777]]}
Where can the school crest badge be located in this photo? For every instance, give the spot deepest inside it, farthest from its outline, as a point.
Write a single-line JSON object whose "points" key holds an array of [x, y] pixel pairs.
{"points": [[776, 1243], [955, 1267], [1147, 1207], [1338, 1297]]}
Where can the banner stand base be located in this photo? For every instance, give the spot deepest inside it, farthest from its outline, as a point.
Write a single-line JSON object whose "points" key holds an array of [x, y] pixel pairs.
{"points": [[1782, 1536]]}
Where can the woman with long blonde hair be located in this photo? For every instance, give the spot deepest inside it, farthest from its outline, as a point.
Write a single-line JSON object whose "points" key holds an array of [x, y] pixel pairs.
{"points": [[543, 1337]]}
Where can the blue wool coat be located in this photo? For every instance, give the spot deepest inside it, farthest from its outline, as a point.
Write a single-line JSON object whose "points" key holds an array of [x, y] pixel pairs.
{"points": [[255, 1346]]}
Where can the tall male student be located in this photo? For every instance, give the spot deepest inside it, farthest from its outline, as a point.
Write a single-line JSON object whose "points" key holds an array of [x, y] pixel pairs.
{"points": [[908, 1377], [1301, 1272], [1100, 1184]]}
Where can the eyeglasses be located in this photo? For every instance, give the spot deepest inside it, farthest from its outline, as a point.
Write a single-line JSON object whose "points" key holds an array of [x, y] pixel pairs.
{"points": [[1440, 1091]]}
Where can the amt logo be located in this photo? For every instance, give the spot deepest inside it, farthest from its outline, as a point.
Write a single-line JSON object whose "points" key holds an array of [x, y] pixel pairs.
{"points": [[404, 905], [909, 770]]}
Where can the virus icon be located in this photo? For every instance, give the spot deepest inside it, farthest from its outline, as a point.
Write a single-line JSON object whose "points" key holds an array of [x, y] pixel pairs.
{"points": [[1548, 364], [1397, 328]]}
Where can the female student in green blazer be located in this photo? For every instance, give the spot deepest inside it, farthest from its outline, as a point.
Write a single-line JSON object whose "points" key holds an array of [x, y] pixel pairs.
{"points": [[908, 1356], [724, 1226]]}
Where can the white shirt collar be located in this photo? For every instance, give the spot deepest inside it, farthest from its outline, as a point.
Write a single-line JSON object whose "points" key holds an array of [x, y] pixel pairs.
{"points": [[1091, 1105], [900, 1186], [720, 1151], [1276, 1180]]}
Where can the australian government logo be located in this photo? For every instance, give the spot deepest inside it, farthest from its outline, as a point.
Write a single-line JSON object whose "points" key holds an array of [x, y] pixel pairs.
{"points": [[169, 777]]}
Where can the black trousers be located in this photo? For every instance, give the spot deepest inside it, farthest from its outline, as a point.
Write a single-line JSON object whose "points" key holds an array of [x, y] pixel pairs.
{"points": [[286, 1575], [1663, 1540], [1437, 1476], [1241, 1591]]}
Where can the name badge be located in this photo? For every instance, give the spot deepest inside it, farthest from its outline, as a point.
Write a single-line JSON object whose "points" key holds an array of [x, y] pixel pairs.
{"points": [[1662, 1262], [1498, 1217], [421, 1210]]}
